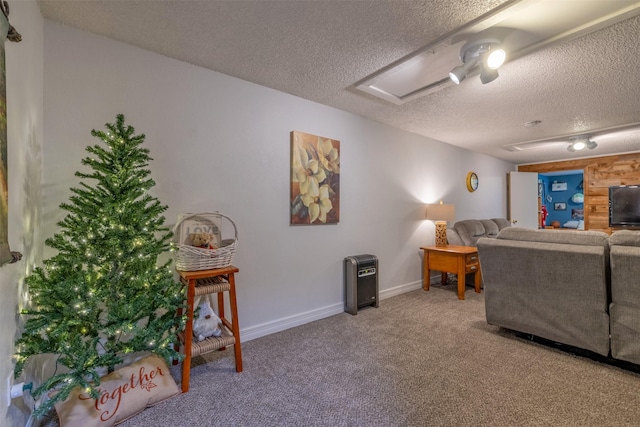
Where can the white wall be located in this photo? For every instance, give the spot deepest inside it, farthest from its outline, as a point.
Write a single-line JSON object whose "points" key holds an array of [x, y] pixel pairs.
{"points": [[490, 199], [24, 74], [220, 143]]}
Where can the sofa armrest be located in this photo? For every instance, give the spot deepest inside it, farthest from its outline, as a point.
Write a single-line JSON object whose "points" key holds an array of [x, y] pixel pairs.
{"points": [[453, 238]]}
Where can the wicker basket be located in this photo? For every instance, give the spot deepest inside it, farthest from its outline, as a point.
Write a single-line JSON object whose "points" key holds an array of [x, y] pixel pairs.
{"points": [[192, 258]]}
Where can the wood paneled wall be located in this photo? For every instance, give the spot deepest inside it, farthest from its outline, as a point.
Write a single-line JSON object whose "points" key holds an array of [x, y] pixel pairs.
{"points": [[599, 174]]}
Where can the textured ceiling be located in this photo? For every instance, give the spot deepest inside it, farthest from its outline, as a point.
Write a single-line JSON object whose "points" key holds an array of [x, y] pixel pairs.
{"points": [[319, 50]]}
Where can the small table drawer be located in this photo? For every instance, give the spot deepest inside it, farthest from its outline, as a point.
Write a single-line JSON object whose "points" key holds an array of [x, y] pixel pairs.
{"points": [[472, 263], [472, 259], [472, 268]]}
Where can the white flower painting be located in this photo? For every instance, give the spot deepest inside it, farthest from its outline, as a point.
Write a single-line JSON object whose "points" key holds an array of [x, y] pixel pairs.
{"points": [[315, 179]]}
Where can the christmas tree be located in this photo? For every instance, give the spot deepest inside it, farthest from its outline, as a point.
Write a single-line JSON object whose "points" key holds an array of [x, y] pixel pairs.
{"points": [[105, 293]]}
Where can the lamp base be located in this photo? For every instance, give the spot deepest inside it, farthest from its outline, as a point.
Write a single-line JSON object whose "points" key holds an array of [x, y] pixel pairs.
{"points": [[441, 233]]}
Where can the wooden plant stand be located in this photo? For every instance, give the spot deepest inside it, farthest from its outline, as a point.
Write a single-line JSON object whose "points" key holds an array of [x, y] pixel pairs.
{"points": [[202, 282]]}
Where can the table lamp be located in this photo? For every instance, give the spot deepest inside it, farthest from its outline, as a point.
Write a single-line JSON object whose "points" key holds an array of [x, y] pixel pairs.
{"points": [[441, 213]]}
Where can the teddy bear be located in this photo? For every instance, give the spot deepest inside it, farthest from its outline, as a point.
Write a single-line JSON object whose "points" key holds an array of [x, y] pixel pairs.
{"points": [[207, 324], [202, 240]]}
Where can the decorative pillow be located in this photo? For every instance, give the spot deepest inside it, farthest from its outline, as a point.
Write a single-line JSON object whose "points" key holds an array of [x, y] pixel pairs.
{"points": [[123, 394], [571, 224]]}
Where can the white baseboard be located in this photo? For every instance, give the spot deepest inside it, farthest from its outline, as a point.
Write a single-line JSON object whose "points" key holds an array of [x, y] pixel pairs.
{"points": [[278, 325], [401, 289]]}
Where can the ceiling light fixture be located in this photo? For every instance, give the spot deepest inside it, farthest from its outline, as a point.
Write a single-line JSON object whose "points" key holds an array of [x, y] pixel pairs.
{"points": [[487, 75], [580, 143], [487, 52], [459, 73]]}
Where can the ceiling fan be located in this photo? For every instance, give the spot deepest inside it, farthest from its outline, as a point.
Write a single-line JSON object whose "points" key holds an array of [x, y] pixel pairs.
{"points": [[578, 142]]}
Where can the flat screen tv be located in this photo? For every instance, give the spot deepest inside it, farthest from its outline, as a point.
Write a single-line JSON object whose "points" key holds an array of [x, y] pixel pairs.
{"points": [[624, 206]]}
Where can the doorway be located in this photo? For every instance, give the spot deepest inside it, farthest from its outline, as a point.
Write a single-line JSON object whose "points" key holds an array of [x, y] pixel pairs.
{"points": [[562, 199]]}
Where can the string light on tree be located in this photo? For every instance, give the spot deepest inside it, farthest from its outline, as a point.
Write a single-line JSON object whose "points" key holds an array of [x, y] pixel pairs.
{"points": [[95, 287]]}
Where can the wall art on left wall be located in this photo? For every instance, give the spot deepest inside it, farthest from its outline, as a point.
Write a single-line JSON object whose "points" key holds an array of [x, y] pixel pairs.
{"points": [[5, 253], [315, 179], [7, 32]]}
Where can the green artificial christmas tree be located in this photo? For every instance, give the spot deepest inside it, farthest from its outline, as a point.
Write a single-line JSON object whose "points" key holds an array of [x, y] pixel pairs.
{"points": [[105, 293]]}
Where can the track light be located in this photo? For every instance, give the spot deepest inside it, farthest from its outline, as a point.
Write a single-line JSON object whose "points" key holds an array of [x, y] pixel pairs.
{"points": [[459, 73], [496, 58], [487, 52], [487, 75], [580, 143]]}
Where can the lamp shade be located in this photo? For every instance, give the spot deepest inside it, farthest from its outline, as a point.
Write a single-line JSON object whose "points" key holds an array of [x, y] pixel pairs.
{"points": [[440, 212]]}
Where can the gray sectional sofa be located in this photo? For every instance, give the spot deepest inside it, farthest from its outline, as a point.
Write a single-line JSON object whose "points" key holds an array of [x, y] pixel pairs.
{"points": [[573, 287]]}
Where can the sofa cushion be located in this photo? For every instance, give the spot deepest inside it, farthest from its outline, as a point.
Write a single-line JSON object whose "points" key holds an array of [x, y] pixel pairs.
{"points": [[625, 238], [501, 222], [470, 230], [490, 228], [467, 232]]}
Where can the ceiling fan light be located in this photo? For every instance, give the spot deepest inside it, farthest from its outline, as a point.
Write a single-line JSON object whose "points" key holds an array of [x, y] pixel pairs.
{"points": [[496, 58], [591, 144]]}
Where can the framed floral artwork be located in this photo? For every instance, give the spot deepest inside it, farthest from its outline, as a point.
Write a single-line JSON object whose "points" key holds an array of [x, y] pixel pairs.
{"points": [[315, 179]]}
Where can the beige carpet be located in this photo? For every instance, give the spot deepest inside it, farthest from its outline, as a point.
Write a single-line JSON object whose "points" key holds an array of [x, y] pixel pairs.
{"points": [[420, 359]]}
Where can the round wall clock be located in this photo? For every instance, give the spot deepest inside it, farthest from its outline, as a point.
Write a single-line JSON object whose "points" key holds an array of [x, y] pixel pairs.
{"points": [[472, 181]]}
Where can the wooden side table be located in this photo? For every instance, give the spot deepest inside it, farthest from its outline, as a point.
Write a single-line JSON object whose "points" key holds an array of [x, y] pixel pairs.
{"points": [[458, 260], [203, 282]]}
